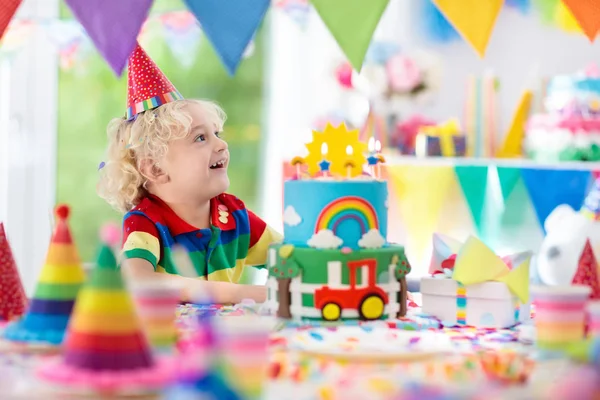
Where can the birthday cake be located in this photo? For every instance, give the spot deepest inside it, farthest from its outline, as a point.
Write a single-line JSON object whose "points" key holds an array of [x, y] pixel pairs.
{"points": [[570, 128], [335, 262]]}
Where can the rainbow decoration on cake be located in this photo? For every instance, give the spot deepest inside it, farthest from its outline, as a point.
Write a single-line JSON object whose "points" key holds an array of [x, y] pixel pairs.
{"points": [[348, 208], [106, 350], [59, 282]]}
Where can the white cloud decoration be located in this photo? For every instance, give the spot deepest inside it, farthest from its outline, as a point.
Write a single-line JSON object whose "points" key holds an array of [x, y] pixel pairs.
{"points": [[325, 239], [291, 216], [372, 240]]}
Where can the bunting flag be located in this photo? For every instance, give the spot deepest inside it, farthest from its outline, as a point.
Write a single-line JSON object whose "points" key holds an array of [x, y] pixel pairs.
{"points": [[549, 188], [565, 20], [229, 25], [587, 14], [352, 24], [473, 19], [435, 26], [8, 8], [513, 142], [522, 5], [473, 181], [113, 26], [546, 9], [508, 177], [422, 190]]}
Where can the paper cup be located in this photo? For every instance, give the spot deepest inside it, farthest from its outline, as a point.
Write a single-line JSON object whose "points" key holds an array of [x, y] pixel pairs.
{"points": [[593, 318], [244, 346], [156, 303], [559, 315]]}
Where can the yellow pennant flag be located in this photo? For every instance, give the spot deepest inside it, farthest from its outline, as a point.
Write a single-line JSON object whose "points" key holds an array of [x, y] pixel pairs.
{"points": [[513, 142], [420, 192], [565, 19], [473, 19]]}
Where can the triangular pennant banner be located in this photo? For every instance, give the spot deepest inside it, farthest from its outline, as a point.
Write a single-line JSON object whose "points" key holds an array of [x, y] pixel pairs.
{"points": [[229, 25], [421, 193], [113, 26], [473, 19], [473, 181], [8, 8], [549, 188], [352, 24], [508, 177], [587, 14]]}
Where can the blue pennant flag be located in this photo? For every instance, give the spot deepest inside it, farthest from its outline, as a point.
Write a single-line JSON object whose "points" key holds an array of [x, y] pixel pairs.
{"points": [[549, 188], [229, 25]]}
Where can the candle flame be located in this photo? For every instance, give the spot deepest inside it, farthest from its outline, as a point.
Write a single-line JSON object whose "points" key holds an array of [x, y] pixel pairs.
{"points": [[371, 144], [377, 146], [349, 150], [324, 148]]}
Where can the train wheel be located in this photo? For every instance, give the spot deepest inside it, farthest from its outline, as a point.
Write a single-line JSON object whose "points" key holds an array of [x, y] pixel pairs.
{"points": [[371, 307], [331, 312]]}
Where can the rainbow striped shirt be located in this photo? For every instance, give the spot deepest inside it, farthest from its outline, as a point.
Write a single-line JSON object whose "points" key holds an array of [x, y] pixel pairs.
{"points": [[236, 238]]}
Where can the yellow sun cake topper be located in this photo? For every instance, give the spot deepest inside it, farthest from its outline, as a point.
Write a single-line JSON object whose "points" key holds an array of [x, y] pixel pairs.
{"points": [[339, 147]]}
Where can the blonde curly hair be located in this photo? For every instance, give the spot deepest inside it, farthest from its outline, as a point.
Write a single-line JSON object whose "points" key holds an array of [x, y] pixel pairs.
{"points": [[121, 183]]}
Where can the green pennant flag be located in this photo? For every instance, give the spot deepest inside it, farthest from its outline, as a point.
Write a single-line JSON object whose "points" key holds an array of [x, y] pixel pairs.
{"points": [[473, 181], [508, 177], [352, 24]]}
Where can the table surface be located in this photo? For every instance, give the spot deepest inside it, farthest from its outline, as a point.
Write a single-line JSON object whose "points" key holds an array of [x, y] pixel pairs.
{"points": [[302, 377]]}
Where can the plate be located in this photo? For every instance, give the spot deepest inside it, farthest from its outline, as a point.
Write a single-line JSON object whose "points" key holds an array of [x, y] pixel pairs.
{"points": [[365, 344]]}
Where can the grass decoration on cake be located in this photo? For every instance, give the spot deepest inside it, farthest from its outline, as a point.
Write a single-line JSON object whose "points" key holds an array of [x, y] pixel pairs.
{"points": [[59, 282]]}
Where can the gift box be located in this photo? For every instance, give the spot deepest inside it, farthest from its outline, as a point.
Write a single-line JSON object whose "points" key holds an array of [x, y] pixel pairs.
{"points": [[441, 140], [472, 286]]}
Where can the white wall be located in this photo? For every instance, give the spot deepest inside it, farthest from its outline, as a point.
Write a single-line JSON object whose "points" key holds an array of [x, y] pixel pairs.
{"points": [[28, 123], [302, 86]]}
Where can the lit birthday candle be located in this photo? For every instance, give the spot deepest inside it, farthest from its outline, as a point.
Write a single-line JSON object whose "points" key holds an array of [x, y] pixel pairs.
{"points": [[372, 159], [324, 165], [298, 162], [349, 163]]}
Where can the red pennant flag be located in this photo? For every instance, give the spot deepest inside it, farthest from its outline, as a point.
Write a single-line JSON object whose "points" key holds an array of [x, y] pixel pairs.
{"points": [[8, 8], [12, 296], [587, 14], [587, 271]]}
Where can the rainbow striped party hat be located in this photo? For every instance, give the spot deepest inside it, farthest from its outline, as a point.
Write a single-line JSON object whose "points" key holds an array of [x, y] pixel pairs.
{"points": [[105, 349], [61, 277], [591, 204]]}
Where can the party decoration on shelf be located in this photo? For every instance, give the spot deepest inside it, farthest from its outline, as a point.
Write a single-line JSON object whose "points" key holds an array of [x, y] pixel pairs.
{"points": [[546, 188], [587, 14], [473, 181], [229, 26], [445, 139], [49, 311], [587, 271], [591, 204], [113, 26], [328, 151], [147, 86], [513, 141], [480, 117], [404, 136], [106, 350], [7, 10], [13, 300], [483, 290], [474, 20], [354, 27]]}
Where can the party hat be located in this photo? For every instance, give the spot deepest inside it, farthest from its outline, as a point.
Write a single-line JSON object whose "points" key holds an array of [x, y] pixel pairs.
{"points": [[147, 86], [61, 277], [12, 296], [591, 205], [105, 349], [587, 271]]}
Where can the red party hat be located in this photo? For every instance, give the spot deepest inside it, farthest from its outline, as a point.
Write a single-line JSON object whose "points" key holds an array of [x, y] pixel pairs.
{"points": [[147, 86], [587, 271], [12, 295]]}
